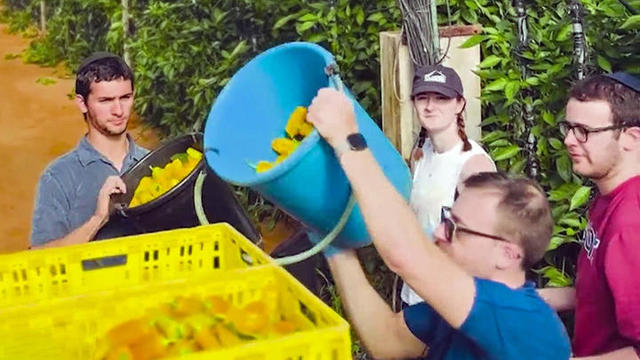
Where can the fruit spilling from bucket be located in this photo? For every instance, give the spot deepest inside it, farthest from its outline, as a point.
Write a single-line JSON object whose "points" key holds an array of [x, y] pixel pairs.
{"points": [[296, 130], [163, 179], [192, 324]]}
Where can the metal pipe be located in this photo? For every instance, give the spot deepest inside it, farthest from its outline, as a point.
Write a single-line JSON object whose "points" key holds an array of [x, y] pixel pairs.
{"points": [[43, 16], [532, 168], [125, 28], [579, 42]]}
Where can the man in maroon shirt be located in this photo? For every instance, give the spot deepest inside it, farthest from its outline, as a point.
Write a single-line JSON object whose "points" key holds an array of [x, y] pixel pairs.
{"points": [[602, 135]]}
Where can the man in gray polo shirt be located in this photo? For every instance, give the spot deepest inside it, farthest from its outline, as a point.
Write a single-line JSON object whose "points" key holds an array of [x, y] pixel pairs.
{"points": [[72, 201]]}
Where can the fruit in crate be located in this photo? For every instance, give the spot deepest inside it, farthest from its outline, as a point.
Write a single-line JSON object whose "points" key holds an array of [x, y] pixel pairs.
{"points": [[163, 179], [191, 324]]}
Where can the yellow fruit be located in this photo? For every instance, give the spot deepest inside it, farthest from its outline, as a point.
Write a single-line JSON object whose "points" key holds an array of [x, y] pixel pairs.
{"points": [[185, 306], [145, 183], [306, 129], [206, 338], [182, 347], [170, 328], [296, 119], [150, 346], [263, 166], [120, 353], [145, 197], [157, 173], [226, 336], [176, 168], [284, 327], [194, 154], [252, 319], [128, 332], [218, 306], [284, 146], [280, 158]]}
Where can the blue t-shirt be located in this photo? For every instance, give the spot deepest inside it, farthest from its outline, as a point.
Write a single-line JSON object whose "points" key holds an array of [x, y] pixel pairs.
{"points": [[69, 187], [503, 324]]}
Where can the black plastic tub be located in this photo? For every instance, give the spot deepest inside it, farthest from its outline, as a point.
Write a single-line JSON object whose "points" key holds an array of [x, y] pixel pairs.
{"points": [[175, 208]]}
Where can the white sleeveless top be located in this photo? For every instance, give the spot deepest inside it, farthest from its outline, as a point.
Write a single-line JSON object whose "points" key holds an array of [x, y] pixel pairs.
{"points": [[435, 179]]}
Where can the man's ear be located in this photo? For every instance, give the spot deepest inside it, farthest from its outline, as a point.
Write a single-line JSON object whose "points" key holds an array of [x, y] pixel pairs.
{"points": [[631, 138], [81, 104], [510, 255]]}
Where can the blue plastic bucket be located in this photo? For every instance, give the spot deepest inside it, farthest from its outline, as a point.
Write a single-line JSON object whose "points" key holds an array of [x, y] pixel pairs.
{"points": [[253, 109]]}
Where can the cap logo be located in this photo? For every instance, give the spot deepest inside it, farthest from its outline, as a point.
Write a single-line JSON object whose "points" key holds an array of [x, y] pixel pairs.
{"points": [[435, 76]]}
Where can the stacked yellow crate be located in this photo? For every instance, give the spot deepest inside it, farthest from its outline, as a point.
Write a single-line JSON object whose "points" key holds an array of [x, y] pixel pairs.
{"points": [[61, 303]]}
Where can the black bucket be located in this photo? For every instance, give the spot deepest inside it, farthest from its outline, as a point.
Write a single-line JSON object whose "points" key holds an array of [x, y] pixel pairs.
{"points": [[175, 208]]}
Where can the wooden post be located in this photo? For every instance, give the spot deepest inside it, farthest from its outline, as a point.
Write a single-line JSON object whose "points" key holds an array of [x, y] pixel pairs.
{"points": [[126, 27], [399, 122], [43, 16]]}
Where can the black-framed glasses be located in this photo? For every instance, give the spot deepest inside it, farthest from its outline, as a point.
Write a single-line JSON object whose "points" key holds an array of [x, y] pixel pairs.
{"points": [[582, 132], [450, 227]]}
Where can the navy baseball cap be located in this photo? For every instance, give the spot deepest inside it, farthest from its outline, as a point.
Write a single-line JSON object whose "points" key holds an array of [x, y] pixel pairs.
{"points": [[626, 79], [437, 78]]}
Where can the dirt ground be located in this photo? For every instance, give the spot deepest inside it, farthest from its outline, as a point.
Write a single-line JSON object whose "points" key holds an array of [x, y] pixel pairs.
{"points": [[37, 124]]}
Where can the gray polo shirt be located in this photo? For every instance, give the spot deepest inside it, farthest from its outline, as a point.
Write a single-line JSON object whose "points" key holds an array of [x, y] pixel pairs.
{"points": [[68, 190]]}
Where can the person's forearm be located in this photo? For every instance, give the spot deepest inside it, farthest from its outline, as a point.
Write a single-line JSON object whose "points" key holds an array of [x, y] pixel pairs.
{"points": [[403, 245], [628, 353], [371, 317], [81, 235], [391, 223], [560, 299]]}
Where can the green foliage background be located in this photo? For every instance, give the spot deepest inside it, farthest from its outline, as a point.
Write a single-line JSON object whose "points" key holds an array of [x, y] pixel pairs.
{"points": [[185, 51]]}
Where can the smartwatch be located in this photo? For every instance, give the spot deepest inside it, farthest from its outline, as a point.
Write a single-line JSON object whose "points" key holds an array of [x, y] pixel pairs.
{"points": [[355, 142]]}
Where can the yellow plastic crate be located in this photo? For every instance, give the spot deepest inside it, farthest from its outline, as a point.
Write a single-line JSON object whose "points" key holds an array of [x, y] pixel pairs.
{"points": [[41, 275], [69, 328]]}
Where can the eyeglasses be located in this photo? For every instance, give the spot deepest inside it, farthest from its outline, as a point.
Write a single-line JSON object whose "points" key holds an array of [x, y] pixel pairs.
{"points": [[582, 132], [450, 227]]}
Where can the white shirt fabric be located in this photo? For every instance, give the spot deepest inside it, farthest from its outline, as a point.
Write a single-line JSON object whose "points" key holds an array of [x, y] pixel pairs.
{"points": [[435, 179]]}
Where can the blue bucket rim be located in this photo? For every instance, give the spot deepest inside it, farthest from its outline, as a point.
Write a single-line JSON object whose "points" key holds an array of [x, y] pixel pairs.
{"points": [[305, 145]]}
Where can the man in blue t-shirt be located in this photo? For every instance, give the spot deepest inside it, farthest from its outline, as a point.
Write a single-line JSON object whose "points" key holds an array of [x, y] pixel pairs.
{"points": [[472, 277]]}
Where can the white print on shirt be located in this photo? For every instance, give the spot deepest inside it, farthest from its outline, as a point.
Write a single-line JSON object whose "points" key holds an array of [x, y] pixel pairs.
{"points": [[590, 242]]}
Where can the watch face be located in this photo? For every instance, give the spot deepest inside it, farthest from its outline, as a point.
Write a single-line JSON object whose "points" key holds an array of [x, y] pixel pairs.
{"points": [[357, 141]]}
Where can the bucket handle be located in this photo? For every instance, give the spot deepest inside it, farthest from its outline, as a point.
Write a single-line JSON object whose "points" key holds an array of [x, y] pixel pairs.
{"points": [[288, 260], [333, 72]]}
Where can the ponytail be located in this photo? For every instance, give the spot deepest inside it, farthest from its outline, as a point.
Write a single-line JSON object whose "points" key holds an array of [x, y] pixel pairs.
{"points": [[461, 132]]}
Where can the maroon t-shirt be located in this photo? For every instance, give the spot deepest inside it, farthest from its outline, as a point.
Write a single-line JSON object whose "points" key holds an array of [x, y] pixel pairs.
{"points": [[608, 281]]}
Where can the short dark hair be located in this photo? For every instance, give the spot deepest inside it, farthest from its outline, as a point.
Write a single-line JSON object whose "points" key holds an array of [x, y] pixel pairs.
{"points": [[523, 211], [107, 68], [622, 99]]}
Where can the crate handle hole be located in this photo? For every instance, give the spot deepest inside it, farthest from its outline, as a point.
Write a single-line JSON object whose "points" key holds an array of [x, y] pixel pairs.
{"points": [[104, 262], [246, 257], [307, 312]]}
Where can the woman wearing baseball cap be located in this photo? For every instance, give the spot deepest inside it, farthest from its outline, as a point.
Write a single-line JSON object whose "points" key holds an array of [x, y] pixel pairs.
{"points": [[443, 157]]}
